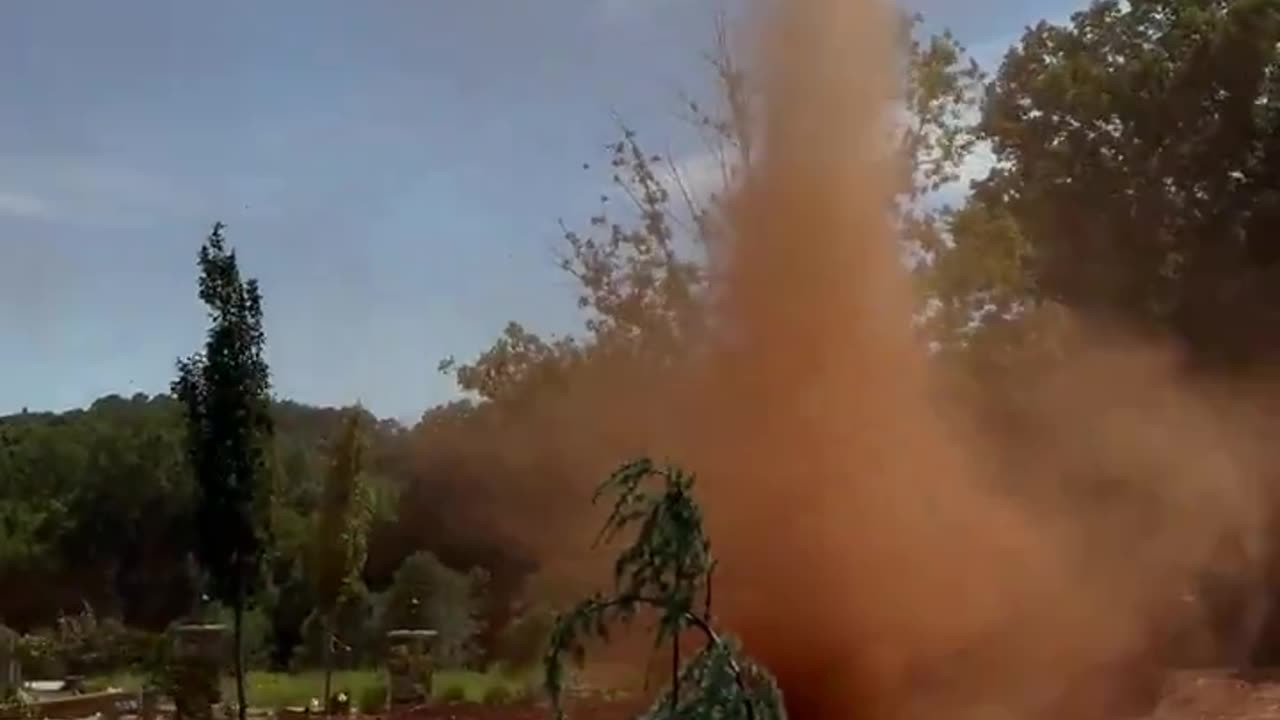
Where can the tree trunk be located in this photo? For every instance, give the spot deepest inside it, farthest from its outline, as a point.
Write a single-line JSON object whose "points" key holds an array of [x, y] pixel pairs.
{"points": [[238, 650], [328, 663], [675, 673]]}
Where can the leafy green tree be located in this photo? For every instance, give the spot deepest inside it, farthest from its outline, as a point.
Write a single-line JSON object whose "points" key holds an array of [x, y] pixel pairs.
{"points": [[518, 360], [427, 594], [667, 569], [95, 504], [226, 394], [1136, 173], [339, 546]]}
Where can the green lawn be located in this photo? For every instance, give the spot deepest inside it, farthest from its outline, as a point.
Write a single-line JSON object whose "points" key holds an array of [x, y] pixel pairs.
{"points": [[276, 690]]}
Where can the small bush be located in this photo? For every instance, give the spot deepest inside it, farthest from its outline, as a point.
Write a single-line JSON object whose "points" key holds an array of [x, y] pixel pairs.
{"points": [[372, 700], [524, 642], [82, 644], [499, 695], [453, 694], [426, 593], [40, 655], [256, 629]]}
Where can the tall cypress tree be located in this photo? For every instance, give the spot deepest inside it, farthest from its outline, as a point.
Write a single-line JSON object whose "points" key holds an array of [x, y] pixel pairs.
{"points": [[225, 391], [339, 545]]}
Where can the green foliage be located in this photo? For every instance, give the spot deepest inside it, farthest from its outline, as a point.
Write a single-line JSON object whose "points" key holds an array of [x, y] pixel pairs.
{"points": [[716, 683], [28, 528], [669, 560], [354, 631], [274, 690], [40, 655], [667, 568], [942, 86], [255, 632], [642, 292], [452, 694], [95, 506], [499, 695], [339, 544], [940, 95], [83, 644], [226, 394], [427, 594], [16, 705], [523, 643], [1135, 151], [132, 562], [517, 359]]}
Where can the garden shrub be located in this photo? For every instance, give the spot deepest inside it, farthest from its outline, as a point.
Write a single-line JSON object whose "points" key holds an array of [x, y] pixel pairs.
{"points": [[257, 632], [355, 630], [453, 694], [82, 644], [499, 695], [40, 655], [524, 642], [426, 593], [372, 700]]}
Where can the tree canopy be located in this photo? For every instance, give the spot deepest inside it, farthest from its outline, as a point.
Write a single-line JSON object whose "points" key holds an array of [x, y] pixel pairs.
{"points": [[1135, 171]]}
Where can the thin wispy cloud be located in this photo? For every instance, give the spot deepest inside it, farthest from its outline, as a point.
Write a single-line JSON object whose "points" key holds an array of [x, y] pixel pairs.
{"points": [[617, 11], [22, 205], [702, 174], [89, 192]]}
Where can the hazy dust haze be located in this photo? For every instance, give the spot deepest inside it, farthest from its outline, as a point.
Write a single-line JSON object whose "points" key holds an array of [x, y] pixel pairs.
{"points": [[886, 554], [897, 539]]}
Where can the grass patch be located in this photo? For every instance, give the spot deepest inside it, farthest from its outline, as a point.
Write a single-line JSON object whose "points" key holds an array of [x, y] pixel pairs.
{"points": [[129, 682], [276, 690], [476, 686], [272, 691]]}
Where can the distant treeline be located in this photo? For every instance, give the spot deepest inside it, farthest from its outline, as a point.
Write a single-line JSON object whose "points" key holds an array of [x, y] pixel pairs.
{"points": [[96, 509]]}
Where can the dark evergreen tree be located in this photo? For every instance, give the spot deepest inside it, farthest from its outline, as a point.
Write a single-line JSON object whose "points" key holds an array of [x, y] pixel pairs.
{"points": [[226, 394]]}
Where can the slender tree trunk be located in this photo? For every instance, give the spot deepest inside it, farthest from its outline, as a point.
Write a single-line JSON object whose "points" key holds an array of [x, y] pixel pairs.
{"points": [[238, 641], [675, 673], [328, 662]]}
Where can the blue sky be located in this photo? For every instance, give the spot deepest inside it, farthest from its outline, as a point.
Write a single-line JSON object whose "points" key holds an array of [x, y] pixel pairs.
{"points": [[391, 171]]}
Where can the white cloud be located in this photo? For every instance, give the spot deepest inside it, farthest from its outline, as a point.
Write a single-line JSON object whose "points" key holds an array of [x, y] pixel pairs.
{"points": [[702, 174], [88, 191], [22, 205], [977, 164]]}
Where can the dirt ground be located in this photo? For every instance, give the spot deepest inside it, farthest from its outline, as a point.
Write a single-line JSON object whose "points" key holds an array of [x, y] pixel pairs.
{"points": [[1221, 696], [578, 710], [1187, 696]]}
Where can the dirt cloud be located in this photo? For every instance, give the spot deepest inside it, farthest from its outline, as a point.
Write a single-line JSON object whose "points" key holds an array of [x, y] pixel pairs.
{"points": [[899, 540], [887, 552]]}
